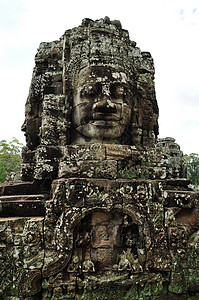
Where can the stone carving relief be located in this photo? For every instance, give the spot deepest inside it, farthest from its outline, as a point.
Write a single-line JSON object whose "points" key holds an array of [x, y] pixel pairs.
{"points": [[104, 210], [102, 105], [103, 243], [99, 88], [104, 239]]}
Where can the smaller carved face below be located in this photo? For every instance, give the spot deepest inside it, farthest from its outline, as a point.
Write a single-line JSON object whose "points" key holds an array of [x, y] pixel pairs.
{"points": [[101, 106], [101, 242]]}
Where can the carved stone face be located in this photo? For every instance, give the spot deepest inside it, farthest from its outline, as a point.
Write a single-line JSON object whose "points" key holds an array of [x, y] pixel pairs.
{"points": [[102, 105]]}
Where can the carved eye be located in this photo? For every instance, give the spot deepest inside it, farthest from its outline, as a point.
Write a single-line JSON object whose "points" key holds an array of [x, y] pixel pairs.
{"points": [[91, 91], [118, 91], [87, 91]]}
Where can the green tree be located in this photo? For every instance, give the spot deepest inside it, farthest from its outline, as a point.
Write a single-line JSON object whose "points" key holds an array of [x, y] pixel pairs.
{"points": [[192, 162], [2, 172], [10, 157]]}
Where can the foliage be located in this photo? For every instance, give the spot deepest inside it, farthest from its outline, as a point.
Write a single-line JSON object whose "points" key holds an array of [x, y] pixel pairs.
{"points": [[10, 157], [2, 172], [192, 162]]}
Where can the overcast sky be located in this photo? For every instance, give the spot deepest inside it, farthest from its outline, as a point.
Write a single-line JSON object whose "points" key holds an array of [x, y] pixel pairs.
{"points": [[169, 29]]}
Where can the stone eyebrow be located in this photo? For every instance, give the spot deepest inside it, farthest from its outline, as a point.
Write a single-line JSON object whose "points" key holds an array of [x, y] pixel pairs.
{"points": [[119, 83]]}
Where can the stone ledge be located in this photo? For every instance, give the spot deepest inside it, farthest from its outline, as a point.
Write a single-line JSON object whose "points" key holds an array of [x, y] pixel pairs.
{"points": [[18, 198], [181, 198], [22, 205], [31, 219], [20, 188]]}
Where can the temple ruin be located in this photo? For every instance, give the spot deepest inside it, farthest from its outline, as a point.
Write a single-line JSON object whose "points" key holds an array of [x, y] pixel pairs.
{"points": [[103, 209]]}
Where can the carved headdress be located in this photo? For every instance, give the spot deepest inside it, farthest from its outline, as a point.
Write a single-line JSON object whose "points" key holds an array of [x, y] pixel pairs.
{"points": [[99, 43]]}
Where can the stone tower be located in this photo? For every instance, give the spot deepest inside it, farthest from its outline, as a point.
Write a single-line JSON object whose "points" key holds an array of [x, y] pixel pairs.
{"points": [[103, 210]]}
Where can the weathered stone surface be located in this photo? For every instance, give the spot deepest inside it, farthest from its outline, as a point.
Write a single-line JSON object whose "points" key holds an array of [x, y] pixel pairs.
{"points": [[22, 205], [104, 209], [99, 88], [22, 256], [20, 188]]}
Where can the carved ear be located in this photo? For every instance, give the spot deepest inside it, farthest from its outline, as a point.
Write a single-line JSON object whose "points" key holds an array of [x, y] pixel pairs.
{"points": [[30, 282]]}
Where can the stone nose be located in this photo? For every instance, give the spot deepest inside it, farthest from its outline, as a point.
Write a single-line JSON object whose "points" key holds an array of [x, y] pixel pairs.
{"points": [[105, 106]]}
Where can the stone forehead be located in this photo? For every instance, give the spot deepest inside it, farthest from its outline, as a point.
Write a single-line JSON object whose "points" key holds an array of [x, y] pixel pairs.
{"points": [[99, 74]]}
